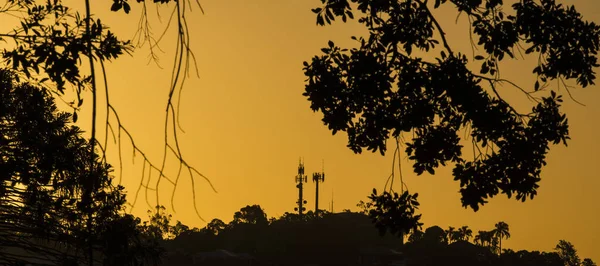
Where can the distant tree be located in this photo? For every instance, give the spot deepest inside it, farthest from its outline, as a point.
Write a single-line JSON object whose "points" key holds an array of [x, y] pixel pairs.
{"points": [[288, 217], [435, 234], [486, 239], [124, 243], [465, 233], [588, 262], [527, 258], [417, 235], [388, 85], [251, 214], [501, 231], [159, 224], [272, 220], [452, 235], [215, 226], [567, 253], [364, 207], [477, 239], [179, 229]]}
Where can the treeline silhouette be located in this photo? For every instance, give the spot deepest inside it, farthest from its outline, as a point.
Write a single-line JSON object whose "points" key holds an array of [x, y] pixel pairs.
{"points": [[345, 238]]}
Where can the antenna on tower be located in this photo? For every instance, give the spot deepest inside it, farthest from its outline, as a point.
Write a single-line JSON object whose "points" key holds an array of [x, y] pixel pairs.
{"points": [[300, 179], [331, 207], [318, 177]]}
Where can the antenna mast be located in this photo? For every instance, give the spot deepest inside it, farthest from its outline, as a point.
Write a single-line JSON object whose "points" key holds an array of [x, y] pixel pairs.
{"points": [[331, 201], [300, 179], [318, 177]]}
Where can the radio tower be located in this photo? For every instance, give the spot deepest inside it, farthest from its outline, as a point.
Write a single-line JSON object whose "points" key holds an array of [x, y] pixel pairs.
{"points": [[331, 207], [300, 180], [318, 177]]}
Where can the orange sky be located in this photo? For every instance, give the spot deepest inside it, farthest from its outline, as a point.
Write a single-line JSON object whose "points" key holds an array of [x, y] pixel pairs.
{"points": [[246, 124]]}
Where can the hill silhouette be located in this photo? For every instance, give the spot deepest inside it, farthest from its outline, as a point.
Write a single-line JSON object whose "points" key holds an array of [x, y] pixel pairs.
{"points": [[346, 238]]}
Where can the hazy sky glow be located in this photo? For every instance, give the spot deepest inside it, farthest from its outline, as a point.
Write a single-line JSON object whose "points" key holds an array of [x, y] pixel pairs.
{"points": [[246, 124]]}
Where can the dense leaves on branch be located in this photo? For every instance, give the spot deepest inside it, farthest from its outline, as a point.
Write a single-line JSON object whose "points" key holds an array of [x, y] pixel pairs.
{"points": [[393, 212], [124, 4], [383, 88], [51, 40]]}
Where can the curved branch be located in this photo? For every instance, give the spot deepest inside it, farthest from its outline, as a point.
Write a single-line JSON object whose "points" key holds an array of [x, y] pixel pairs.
{"points": [[437, 25]]}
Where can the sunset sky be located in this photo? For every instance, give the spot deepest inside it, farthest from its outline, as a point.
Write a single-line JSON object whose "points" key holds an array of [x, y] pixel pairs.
{"points": [[246, 125]]}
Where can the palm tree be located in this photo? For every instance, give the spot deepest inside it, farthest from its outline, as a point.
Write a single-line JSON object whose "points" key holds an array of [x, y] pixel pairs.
{"points": [[486, 239], [450, 234], [500, 232], [465, 233], [482, 238], [477, 239]]}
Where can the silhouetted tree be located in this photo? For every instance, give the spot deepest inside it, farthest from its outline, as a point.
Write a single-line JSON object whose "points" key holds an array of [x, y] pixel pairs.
{"points": [[396, 213], [125, 243], [179, 229], [465, 233], [588, 262], [289, 217], [417, 235], [251, 214], [452, 235], [215, 226], [567, 253], [434, 248], [486, 239], [435, 235], [159, 224], [501, 231], [54, 201], [364, 207], [526, 258], [384, 87]]}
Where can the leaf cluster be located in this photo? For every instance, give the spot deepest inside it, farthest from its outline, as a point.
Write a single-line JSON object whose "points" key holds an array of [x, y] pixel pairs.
{"points": [[124, 4], [51, 40], [381, 88], [395, 213]]}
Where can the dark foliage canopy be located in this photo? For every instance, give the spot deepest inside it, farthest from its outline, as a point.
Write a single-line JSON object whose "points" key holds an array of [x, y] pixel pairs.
{"points": [[393, 212], [384, 87], [54, 200], [251, 214]]}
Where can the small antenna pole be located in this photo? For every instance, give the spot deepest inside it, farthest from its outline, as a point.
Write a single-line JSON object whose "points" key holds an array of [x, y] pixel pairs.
{"points": [[317, 178], [331, 210]]}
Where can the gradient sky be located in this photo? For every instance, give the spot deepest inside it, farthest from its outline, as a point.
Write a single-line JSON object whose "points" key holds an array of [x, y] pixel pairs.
{"points": [[246, 125]]}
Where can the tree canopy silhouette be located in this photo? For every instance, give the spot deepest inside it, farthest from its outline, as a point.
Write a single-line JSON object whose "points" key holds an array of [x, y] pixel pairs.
{"points": [[54, 201], [386, 86], [567, 253], [501, 231], [251, 214]]}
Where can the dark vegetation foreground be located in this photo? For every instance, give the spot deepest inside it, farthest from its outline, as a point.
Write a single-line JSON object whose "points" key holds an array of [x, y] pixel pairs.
{"points": [[345, 238]]}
